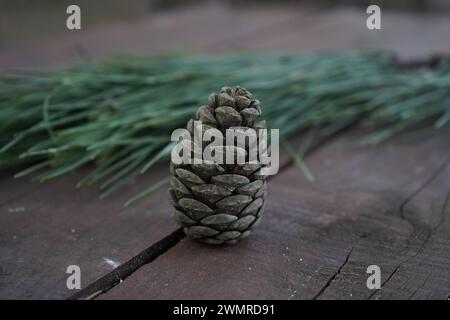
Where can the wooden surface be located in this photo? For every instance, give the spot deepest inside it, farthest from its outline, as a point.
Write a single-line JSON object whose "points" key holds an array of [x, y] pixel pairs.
{"points": [[49, 226], [214, 29], [386, 205]]}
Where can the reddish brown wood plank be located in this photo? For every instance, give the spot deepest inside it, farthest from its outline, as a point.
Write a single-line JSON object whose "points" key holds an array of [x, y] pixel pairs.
{"points": [[410, 35], [15, 187], [36, 238], [199, 29], [46, 227], [215, 29], [316, 240], [55, 225], [424, 271]]}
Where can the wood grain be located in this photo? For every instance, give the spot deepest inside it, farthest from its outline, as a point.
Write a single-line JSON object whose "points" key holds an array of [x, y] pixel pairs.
{"points": [[53, 225], [386, 205], [317, 240], [46, 227], [207, 29], [215, 29]]}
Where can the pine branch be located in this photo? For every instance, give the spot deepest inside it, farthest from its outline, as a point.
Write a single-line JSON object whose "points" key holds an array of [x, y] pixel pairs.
{"points": [[120, 114]]}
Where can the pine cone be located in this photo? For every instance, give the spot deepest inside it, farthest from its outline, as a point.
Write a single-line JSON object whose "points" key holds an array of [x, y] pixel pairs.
{"points": [[220, 203]]}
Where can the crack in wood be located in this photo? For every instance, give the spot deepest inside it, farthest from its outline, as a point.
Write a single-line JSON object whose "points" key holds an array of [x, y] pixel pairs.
{"points": [[333, 277], [419, 287], [119, 274], [429, 234], [422, 187], [386, 281]]}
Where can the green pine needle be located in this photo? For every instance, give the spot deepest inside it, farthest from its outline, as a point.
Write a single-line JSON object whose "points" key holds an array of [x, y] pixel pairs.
{"points": [[298, 160], [150, 190], [120, 114]]}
